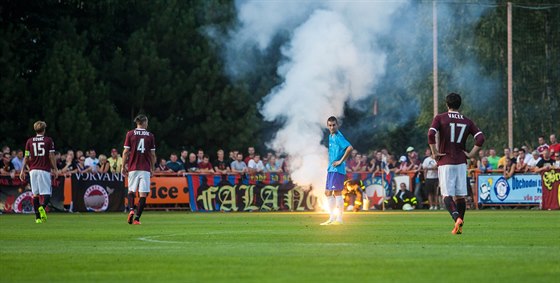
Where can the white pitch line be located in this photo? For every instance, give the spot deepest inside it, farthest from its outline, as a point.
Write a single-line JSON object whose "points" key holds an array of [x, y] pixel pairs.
{"points": [[151, 240]]}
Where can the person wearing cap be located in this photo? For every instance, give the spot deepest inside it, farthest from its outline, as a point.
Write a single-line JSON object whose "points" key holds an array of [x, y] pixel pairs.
{"points": [[402, 167], [115, 161]]}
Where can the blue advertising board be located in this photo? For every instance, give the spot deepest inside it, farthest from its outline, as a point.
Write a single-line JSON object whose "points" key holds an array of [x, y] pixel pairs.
{"points": [[519, 189]]}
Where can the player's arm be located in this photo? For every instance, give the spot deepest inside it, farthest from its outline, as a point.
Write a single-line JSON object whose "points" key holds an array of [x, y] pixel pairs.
{"points": [[23, 164], [152, 161], [344, 157], [125, 154], [432, 133], [478, 142]]}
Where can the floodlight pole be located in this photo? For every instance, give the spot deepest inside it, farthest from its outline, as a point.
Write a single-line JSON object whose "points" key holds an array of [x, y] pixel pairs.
{"points": [[510, 77], [435, 56]]}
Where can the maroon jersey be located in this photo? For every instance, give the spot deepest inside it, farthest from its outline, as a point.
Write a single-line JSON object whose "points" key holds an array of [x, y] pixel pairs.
{"points": [[38, 149], [454, 129], [141, 144]]}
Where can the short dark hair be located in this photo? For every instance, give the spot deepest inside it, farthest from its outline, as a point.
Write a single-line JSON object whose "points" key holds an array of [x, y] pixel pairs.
{"points": [[332, 119], [453, 101], [140, 119]]}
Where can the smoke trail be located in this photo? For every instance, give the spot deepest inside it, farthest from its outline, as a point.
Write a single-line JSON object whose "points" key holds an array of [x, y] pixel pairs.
{"points": [[331, 58]]}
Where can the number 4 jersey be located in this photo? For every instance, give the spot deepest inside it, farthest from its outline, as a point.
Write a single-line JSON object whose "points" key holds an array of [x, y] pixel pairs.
{"points": [[140, 142], [453, 129], [38, 149]]}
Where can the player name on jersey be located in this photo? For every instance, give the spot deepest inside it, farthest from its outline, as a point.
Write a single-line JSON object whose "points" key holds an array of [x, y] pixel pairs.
{"points": [[455, 116], [141, 133]]}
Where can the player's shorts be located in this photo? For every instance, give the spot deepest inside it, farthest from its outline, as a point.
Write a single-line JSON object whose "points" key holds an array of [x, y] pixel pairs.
{"points": [[431, 186], [335, 181], [139, 181], [453, 179], [40, 182]]}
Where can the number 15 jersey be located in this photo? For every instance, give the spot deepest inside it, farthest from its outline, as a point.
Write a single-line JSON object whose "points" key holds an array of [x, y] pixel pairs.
{"points": [[141, 143], [38, 149], [454, 129]]}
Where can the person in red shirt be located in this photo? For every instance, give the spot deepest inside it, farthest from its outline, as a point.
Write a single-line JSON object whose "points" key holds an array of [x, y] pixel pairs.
{"points": [[453, 129], [139, 157], [205, 166], [39, 156], [554, 146]]}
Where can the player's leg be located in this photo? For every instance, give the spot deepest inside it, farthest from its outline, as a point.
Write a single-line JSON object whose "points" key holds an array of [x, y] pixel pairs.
{"points": [[340, 205], [461, 195], [330, 198], [133, 182], [143, 190], [448, 181], [45, 191], [33, 182]]}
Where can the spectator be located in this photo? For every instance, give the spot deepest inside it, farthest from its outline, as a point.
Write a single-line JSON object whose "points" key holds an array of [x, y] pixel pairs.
{"points": [[286, 164], [92, 161], [360, 165], [554, 146], [250, 155], [502, 161], [255, 165], [184, 158], [375, 164], [7, 166], [238, 166], [174, 165], [6, 149], [58, 160], [205, 166], [192, 165], [402, 197], [485, 165], [429, 165], [481, 154], [271, 165], [403, 165], [413, 159], [82, 167], [162, 166], [70, 164], [532, 164], [521, 165], [79, 154], [509, 168], [18, 160], [546, 162], [542, 145], [199, 155], [515, 154], [220, 165], [115, 161], [527, 153], [232, 156], [392, 163], [556, 160], [493, 159], [103, 165]]}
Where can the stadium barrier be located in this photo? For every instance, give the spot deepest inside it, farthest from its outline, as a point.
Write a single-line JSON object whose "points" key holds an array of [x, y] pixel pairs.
{"points": [[263, 192]]}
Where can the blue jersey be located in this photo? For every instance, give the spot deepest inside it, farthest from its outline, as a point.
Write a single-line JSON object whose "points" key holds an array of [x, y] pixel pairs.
{"points": [[337, 147]]}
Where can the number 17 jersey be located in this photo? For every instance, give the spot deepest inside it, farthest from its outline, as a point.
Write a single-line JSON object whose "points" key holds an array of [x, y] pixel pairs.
{"points": [[454, 129], [141, 143]]}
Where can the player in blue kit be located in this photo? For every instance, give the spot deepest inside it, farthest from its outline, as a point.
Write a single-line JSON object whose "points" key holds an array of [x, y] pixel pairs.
{"points": [[339, 150]]}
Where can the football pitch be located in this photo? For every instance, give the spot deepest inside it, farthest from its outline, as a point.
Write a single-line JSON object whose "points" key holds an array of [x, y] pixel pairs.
{"points": [[497, 246]]}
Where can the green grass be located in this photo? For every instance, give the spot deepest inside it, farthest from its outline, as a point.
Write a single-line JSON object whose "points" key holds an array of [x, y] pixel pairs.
{"points": [[497, 246]]}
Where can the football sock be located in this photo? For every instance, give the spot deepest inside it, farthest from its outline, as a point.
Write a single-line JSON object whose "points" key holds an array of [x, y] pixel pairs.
{"points": [[340, 204], [36, 205], [451, 207], [141, 204], [46, 200], [130, 201], [332, 204], [461, 207]]}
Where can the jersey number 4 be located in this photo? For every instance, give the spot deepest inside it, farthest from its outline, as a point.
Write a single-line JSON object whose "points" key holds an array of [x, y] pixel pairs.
{"points": [[140, 146], [39, 149], [452, 134]]}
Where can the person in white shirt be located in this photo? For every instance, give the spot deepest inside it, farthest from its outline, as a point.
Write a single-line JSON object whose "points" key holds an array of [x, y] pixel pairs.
{"points": [[532, 163], [431, 184], [256, 165]]}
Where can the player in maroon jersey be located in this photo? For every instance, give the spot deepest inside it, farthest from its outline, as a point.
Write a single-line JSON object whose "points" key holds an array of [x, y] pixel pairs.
{"points": [[453, 129], [139, 156], [39, 156]]}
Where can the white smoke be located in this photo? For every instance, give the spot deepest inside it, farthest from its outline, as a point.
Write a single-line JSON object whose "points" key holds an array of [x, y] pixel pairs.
{"points": [[332, 58]]}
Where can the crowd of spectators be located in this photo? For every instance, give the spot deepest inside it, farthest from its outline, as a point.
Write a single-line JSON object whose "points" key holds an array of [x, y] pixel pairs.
{"points": [[517, 160]]}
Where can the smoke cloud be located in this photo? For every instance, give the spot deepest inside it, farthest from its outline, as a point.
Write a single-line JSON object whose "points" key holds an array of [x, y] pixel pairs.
{"points": [[331, 58]]}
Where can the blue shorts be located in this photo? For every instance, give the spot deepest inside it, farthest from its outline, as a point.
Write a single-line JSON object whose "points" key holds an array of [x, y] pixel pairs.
{"points": [[335, 181]]}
